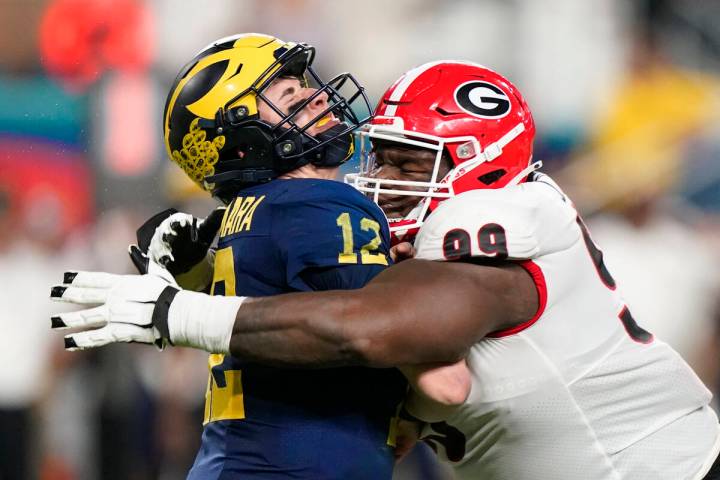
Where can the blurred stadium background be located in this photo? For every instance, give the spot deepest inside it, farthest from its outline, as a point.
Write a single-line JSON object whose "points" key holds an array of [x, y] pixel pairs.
{"points": [[626, 96]]}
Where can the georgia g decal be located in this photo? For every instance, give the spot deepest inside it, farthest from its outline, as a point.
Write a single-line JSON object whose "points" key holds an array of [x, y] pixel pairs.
{"points": [[482, 99]]}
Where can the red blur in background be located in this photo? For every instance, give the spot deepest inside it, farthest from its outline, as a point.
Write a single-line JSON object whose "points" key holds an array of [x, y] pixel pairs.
{"points": [[80, 39]]}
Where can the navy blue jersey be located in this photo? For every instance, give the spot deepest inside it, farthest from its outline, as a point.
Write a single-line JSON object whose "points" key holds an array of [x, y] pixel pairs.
{"points": [[273, 423]]}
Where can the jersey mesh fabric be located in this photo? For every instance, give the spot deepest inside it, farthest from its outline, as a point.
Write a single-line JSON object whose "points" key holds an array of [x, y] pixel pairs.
{"points": [[636, 391], [687, 438]]}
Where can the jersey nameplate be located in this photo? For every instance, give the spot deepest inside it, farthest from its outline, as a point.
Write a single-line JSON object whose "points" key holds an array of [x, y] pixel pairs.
{"points": [[239, 215]]}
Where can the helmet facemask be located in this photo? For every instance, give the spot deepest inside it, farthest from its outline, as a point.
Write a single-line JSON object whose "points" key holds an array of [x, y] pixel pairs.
{"points": [[367, 182], [428, 193]]}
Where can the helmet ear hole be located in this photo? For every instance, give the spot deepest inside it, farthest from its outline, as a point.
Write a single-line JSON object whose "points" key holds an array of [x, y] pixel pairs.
{"points": [[492, 177]]}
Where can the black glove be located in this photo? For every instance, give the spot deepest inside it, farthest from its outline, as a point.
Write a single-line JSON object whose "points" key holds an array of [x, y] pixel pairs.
{"points": [[189, 239], [178, 241], [139, 253]]}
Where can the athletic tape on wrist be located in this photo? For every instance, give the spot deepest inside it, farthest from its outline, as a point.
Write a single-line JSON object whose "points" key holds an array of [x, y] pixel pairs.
{"points": [[202, 321]]}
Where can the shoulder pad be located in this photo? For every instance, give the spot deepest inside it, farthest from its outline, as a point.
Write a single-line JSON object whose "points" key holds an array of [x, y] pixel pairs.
{"points": [[520, 222]]}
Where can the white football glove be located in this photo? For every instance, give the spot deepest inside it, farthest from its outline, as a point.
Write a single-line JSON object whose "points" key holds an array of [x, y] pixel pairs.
{"points": [[145, 309], [124, 307]]}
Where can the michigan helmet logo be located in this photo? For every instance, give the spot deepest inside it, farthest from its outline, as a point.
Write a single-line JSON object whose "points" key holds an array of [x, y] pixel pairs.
{"points": [[482, 99]]}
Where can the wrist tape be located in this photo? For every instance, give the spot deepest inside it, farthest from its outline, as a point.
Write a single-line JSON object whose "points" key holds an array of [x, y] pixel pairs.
{"points": [[202, 321]]}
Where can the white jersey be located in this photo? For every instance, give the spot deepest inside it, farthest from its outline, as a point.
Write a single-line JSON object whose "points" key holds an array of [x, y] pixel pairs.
{"points": [[578, 392]]}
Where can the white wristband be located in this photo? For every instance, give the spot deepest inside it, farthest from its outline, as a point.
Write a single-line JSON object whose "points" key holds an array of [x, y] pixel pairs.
{"points": [[203, 321]]}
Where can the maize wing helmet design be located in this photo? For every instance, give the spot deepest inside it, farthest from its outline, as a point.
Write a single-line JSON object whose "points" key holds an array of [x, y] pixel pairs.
{"points": [[470, 113], [211, 114]]}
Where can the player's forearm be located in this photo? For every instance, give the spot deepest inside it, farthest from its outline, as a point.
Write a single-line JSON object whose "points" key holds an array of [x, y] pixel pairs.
{"points": [[309, 330], [377, 325], [296, 330], [406, 316], [323, 330]]}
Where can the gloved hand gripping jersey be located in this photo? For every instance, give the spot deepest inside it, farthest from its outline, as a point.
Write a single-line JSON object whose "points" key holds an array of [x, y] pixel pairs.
{"points": [[181, 243]]}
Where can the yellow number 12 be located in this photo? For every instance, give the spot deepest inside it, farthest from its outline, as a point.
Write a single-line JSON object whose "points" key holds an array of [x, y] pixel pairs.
{"points": [[348, 254]]}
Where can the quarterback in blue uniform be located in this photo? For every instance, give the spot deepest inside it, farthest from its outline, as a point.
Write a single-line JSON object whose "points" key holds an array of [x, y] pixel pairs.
{"points": [[243, 121], [298, 235]]}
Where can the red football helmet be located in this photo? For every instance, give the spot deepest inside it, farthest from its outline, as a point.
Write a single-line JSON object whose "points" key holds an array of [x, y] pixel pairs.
{"points": [[468, 111]]}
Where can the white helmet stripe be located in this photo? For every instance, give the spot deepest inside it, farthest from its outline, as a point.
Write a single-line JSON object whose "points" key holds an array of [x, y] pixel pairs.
{"points": [[409, 78]]}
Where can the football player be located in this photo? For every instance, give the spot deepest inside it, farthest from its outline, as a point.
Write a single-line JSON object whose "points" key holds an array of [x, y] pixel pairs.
{"points": [[250, 121], [565, 383]]}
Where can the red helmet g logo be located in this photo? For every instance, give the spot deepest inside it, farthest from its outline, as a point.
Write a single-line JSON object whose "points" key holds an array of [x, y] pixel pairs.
{"points": [[482, 99]]}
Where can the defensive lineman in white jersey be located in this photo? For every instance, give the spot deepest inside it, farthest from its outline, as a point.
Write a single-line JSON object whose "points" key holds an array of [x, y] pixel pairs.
{"points": [[560, 382], [579, 391]]}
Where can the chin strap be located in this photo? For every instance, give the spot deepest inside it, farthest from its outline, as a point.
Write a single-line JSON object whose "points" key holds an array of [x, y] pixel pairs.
{"points": [[338, 150], [525, 172], [494, 150]]}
